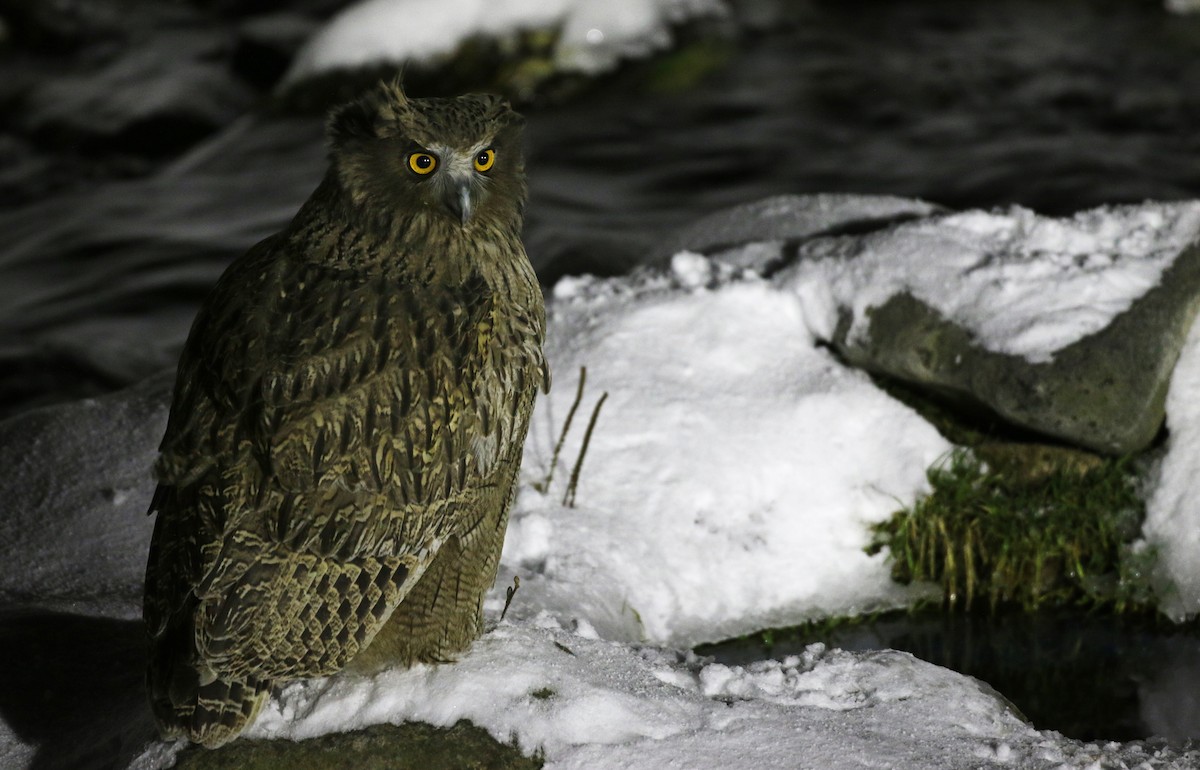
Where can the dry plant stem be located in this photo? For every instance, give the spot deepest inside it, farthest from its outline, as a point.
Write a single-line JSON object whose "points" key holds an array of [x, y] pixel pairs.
{"points": [[562, 437], [569, 497], [509, 593]]}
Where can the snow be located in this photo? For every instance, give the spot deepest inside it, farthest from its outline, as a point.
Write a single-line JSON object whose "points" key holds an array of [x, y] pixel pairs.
{"points": [[729, 485], [592, 36], [1172, 525], [753, 454]]}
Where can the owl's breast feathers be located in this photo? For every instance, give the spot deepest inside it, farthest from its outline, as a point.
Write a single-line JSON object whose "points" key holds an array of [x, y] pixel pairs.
{"points": [[331, 429]]}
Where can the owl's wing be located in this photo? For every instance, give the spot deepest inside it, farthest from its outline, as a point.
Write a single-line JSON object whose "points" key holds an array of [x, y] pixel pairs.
{"points": [[330, 432]]}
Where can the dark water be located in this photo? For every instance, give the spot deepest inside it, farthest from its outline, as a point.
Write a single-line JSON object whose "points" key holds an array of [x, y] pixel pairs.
{"points": [[137, 159], [1090, 677]]}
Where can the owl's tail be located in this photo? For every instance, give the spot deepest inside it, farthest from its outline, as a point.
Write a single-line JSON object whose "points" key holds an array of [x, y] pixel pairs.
{"points": [[198, 706]]}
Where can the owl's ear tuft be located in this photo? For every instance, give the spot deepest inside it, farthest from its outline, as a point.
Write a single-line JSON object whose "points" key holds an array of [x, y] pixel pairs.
{"points": [[391, 93], [511, 117], [355, 120], [371, 115], [498, 108]]}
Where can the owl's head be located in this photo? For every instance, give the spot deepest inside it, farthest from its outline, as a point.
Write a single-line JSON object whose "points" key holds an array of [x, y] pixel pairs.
{"points": [[459, 158]]}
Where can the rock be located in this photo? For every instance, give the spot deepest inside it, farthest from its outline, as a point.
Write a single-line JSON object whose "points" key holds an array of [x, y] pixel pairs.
{"points": [[408, 746], [77, 483]]}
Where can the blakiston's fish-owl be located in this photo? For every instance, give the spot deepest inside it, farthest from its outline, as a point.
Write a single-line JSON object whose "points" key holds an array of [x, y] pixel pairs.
{"points": [[348, 418]]}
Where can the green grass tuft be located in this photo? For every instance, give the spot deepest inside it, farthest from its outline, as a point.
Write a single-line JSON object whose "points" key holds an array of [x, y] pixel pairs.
{"points": [[1057, 538]]}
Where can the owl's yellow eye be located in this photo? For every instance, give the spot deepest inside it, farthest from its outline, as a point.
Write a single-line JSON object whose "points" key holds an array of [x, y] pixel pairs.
{"points": [[485, 160], [422, 163]]}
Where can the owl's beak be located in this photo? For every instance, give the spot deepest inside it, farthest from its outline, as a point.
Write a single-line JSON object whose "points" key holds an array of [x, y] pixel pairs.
{"points": [[458, 200]]}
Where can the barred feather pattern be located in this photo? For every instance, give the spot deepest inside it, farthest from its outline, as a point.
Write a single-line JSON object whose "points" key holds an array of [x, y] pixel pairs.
{"points": [[341, 455]]}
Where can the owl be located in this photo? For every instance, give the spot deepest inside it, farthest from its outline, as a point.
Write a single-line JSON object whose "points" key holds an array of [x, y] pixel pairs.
{"points": [[348, 419]]}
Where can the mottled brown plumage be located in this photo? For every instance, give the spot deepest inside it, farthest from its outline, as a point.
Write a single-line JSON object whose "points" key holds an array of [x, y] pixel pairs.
{"points": [[348, 420]]}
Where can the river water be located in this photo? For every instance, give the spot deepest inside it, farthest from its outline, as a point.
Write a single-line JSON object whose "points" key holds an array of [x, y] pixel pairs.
{"points": [[113, 231]]}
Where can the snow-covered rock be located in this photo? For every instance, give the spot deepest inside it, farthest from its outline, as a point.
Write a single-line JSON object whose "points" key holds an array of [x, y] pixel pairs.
{"points": [[604, 704], [1069, 327], [592, 36], [1044, 321]]}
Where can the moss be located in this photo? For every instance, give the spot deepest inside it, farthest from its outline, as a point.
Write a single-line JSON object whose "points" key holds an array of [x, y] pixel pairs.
{"points": [[1057, 536]]}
